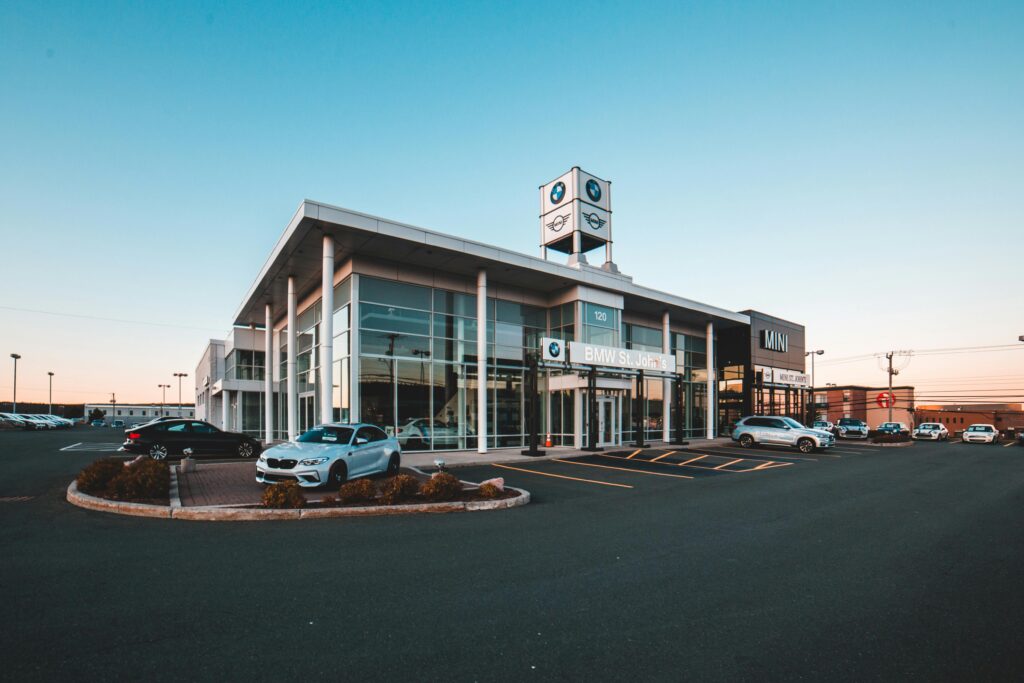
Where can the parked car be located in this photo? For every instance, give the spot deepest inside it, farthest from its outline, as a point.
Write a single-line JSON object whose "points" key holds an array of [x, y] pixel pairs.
{"points": [[419, 433], [58, 422], [331, 454], [893, 428], [161, 439], [19, 421], [38, 421], [780, 431], [97, 423], [824, 425], [936, 431], [851, 428], [117, 424], [981, 433]]}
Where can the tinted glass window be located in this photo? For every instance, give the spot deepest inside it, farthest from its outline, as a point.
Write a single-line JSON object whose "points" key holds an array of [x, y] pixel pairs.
{"points": [[756, 422], [365, 433], [777, 424], [178, 428], [377, 434], [203, 428]]}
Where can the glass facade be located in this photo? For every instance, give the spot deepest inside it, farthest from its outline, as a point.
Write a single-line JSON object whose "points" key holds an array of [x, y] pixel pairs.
{"points": [[243, 364]]}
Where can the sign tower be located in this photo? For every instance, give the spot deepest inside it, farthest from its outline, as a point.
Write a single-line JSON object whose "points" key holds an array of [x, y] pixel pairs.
{"points": [[576, 217]]}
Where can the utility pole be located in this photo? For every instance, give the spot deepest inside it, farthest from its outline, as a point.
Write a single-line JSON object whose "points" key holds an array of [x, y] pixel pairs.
{"points": [[891, 398], [163, 397], [812, 413], [49, 409]]}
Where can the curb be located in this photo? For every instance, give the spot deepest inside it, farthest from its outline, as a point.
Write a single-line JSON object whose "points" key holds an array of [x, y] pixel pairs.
{"points": [[216, 513], [898, 444]]}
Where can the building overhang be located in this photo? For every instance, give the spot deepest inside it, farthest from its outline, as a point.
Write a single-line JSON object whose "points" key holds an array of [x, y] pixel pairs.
{"points": [[299, 253]]}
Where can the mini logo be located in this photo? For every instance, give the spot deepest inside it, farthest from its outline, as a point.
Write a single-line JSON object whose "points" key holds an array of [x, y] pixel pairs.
{"points": [[558, 223], [594, 221], [593, 190], [557, 192], [554, 349]]}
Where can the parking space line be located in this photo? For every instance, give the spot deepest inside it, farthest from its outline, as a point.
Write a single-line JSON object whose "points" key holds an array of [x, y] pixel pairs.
{"points": [[562, 476], [772, 463], [1007, 445], [726, 464], [631, 455], [663, 455], [955, 440], [624, 469], [68, 448], [699, 457], [751, 454]]}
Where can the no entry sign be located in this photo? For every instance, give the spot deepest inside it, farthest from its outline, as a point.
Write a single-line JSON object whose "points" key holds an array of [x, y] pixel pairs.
{"points": [[886, 399]]}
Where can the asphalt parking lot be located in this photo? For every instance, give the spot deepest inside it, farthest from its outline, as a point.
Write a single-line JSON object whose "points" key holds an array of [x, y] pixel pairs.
{"points": [[860, 563]]}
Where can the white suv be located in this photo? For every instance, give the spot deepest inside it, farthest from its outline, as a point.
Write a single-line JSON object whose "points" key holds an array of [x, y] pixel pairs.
{"points": [[981, 433]]}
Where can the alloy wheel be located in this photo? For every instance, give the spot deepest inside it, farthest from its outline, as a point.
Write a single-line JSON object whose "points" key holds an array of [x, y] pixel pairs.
{"points": [[158, 451]]}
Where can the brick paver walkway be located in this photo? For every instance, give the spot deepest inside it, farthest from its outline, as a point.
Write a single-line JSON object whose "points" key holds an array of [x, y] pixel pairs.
{"points": [[229, 483]]}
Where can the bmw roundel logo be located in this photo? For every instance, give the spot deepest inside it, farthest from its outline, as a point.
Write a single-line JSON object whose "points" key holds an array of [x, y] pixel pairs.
{"points": [[593, 190], [557, 192], [554, 348]]}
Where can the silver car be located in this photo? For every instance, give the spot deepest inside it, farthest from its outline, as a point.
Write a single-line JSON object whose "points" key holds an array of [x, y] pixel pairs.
{"points": [[330, 454], [771, 430]]}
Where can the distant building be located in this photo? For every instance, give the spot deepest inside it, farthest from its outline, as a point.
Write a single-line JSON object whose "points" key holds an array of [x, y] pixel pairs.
{"points": [[1004, 416], [230, 390], [137, 413], [870, 404]]}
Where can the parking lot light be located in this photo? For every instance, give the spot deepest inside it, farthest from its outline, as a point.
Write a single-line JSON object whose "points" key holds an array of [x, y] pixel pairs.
{"points": [[179, 375], [49, 410], [14, 403]]}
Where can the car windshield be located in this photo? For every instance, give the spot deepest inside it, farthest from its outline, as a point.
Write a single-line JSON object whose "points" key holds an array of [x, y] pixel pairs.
{"points": [[327, 435], [979, 428], [927, 427], [792, 423], [847, 422]]}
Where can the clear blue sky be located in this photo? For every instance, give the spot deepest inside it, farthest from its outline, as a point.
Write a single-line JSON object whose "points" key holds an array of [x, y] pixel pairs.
{"points": [[854, 167]]}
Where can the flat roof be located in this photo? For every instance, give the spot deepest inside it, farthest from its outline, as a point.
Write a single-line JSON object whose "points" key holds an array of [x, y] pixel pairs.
{"points": [[298, 253]]}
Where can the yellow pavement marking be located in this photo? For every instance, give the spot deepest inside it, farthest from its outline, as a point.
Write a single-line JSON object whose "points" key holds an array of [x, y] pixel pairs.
{"points": [[630, 456], [699, 457], [623, 469], [562, 476], [763, 453], [956, 440], [663, 455], [701, 467], [726, 464], [765, 466]]}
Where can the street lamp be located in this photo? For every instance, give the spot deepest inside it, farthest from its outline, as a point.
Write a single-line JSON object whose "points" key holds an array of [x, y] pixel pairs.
{"points": [[50, 407], [14, 407], [812, 354], [163, 397], [179, 375]]}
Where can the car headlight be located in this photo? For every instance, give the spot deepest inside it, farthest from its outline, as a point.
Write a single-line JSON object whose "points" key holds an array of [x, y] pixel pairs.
{"points": [[263, 458], [315, 461]]}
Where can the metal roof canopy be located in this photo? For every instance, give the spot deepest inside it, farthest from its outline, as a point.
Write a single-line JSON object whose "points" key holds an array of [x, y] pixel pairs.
{"points": [[299, 253]]}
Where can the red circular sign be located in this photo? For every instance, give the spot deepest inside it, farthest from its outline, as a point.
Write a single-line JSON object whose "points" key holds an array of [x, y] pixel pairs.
{"points": [[886, 399]]}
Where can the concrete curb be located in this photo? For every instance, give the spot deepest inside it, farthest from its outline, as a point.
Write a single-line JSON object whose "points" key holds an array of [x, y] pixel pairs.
{"points": [[212, 513], [899, 444]]}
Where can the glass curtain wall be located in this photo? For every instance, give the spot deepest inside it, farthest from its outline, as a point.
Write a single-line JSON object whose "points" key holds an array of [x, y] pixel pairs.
{"points": [[691, 355], [341, 372], [418, 358], [242, 364]]}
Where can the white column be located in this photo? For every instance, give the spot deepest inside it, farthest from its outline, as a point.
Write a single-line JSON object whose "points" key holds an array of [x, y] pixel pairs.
{"points": [[293, 385], [268, 376], [481, 361], [353, 358], [327, 333], [666, 384], [710, 419], [225, 403]]}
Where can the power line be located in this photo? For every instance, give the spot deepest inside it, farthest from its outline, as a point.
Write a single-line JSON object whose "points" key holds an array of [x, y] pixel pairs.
{"points": [[109, 320]]}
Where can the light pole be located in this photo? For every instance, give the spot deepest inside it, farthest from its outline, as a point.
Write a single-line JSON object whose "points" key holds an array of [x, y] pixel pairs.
{"points": [[163, 397], [14, 403], [179, 375], [812, 411], [113, 407], [50, 407]]}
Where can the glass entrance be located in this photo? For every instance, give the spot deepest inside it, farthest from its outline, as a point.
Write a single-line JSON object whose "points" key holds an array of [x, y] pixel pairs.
{"points": [[607, 421], [307, 413]]}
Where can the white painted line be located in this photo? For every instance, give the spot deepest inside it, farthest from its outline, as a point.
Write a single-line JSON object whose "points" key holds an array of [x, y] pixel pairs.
{"points": [[68, 448], [1007, 445]]}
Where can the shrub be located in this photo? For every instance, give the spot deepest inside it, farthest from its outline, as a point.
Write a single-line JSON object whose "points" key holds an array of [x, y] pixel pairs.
{"points": [[141, 480], [488, 491], [328, 501], [286, 494], [398, 489], [441, 487], [890, 438], [95, 477], [357, 491]]}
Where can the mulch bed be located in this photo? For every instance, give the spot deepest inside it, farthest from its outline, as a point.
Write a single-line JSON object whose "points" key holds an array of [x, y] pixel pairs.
{"points": [[467, 496]]}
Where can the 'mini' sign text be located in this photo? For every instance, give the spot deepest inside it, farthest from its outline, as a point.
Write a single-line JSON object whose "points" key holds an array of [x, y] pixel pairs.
{"points": [[774, 341]]}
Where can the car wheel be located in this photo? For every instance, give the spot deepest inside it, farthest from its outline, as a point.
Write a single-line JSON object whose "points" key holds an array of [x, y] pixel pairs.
{"points": [[747, 441], [246, 449], [338, 475], [158, 451], [805, 445], [394, 464]]}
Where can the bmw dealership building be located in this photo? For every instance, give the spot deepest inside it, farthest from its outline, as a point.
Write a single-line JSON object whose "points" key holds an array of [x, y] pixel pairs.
{"points": [[435, 338]]}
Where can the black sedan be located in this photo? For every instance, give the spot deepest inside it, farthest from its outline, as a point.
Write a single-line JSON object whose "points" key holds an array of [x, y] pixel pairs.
{"points": [[172, 437]]}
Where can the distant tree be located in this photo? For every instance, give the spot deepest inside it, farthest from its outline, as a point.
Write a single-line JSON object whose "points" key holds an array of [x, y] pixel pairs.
{"points": [[96, 414]]}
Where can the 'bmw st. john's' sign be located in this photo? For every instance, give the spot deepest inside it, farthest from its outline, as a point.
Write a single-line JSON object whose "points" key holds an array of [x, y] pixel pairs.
{"points": [[772, 340], [606, 356]]}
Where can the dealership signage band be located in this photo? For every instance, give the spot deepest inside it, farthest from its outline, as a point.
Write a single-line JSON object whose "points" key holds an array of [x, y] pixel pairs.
{"points": [[608, 356], [575, 202], [793, 378]]}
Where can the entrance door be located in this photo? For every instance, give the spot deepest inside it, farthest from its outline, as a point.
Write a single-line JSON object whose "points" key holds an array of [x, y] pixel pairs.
{"points": [[307, 413], [606, 421]]}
